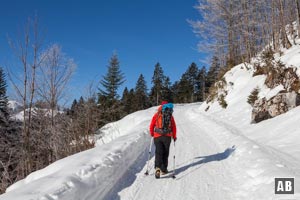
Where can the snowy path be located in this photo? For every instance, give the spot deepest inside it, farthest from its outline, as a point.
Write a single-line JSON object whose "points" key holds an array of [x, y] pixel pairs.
{"points": [[195, 150], [213, 161]]}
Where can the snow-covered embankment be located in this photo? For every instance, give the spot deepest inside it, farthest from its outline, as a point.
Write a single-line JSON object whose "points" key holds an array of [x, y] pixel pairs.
{"points": [[98, 173]]}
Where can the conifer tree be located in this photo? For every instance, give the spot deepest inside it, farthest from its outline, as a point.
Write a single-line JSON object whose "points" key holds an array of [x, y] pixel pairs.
{"points": [[126, 106], [212, 74], [73, 108], [167, 93], [158, 79], [192, 73], [110, 108], [113, 79], [175, 92], [141, 96], [188, 85], [4, 114], [201, 79], [184, 89]]}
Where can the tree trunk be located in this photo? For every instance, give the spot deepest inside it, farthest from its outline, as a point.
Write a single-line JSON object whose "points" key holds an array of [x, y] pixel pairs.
{"points": [[275, 29], [246, 29], [298, 16], [285, 41], [230, 35]]}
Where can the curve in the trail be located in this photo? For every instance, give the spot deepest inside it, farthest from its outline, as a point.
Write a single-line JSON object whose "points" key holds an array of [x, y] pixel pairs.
{"points": [[201, 162], [214, 160]]}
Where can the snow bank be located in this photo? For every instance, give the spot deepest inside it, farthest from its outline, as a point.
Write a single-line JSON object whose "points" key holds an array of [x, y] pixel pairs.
{"points": [[124, 126], [93, 174], [240, 84], [82, 176], [290, 56]]}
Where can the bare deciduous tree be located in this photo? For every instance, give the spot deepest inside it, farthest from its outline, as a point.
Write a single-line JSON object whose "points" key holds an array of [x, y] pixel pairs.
{"points": [[27, 49], [53, 76], [237, 30]]}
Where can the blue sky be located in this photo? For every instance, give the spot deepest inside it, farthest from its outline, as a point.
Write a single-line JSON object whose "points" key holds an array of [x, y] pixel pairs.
{"points": [[141, 32]]}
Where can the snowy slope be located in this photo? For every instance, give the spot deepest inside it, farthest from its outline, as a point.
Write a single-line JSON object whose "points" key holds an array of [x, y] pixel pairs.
{"points": [[214, 160], [92, 174], [238, 112]]}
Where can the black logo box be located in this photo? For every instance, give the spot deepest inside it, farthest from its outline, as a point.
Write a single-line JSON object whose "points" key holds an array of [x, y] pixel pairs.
{"points": [[284, 186]]}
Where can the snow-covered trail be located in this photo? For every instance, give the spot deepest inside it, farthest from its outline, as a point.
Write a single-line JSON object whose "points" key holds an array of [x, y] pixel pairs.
{"points": [[213, 161], [196, 151]]}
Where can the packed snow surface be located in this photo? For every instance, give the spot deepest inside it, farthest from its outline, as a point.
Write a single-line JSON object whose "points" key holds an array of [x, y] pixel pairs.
{"points": [[215, 159]]}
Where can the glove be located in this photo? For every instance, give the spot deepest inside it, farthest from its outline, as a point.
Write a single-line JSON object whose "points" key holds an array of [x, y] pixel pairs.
{"points": [[175, 139], [152, 134]]}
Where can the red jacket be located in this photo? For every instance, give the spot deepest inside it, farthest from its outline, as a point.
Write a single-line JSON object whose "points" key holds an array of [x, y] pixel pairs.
{"points": [[152, 125]]}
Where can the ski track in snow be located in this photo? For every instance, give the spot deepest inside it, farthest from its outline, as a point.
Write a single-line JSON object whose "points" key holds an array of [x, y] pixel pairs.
{"points": [[221, 163], [191, 159]]}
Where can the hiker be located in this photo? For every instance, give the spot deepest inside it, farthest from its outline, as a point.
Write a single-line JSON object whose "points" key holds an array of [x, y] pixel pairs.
{"points": [[163, 129]]}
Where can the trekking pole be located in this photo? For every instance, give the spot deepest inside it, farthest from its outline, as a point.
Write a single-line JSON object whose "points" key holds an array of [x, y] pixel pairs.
{"points": [[173, 176], [147, 173]]}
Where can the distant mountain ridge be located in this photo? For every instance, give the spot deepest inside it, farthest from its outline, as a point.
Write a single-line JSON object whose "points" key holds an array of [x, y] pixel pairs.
{"points": [[14, 105]]}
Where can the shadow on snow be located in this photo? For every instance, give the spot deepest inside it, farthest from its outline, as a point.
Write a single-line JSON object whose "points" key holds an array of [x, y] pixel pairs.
{"points": [[206, 159]]}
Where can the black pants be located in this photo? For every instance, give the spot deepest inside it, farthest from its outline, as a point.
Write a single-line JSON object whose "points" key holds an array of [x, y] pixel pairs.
{"points": [[162, 146]]}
